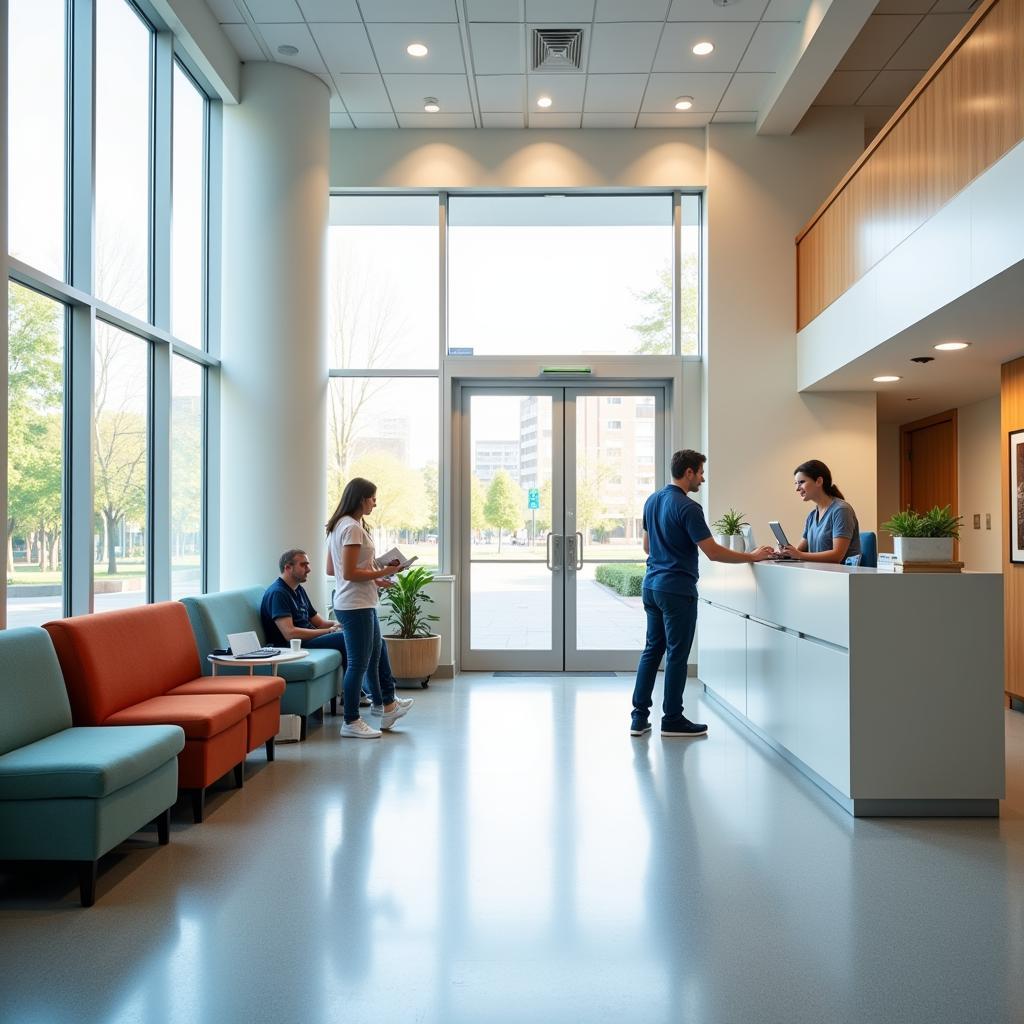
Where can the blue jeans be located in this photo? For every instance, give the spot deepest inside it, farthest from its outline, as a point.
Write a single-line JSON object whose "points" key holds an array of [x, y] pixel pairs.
{"points": [[367, 659], [671, 623]]}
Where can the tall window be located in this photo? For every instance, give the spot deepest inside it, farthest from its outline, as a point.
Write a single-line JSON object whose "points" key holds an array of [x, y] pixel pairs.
{"points": [[187, 208], [120, 445], [187, 446], [36, 83], [124, 44], [35, 453]]}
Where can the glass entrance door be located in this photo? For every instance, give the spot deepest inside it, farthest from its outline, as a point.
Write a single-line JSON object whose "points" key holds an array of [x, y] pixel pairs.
{"points": [[553, 486]]}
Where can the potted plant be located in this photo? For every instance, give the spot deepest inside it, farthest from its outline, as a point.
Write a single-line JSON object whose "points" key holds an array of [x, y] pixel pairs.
{"points": [[926, 537], [728, 529], [414, 651]]}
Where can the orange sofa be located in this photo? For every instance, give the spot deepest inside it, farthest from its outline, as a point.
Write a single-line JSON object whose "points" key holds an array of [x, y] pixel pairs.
{"points": [[140, 666]]}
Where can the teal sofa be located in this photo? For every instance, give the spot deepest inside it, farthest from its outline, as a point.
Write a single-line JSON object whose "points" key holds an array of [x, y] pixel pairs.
{"points": [[309, 683], [70, 793]]}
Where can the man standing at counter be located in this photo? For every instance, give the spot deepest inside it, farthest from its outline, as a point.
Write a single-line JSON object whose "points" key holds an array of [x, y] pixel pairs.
{"points": [[674, 528]]}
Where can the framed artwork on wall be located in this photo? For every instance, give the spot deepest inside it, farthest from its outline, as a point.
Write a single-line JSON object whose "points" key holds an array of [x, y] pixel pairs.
{"points": [[1016, 510]]}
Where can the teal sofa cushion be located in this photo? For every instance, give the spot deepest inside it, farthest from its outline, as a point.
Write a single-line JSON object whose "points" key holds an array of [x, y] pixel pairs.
{"points": [[87, 761], [33, 700]]}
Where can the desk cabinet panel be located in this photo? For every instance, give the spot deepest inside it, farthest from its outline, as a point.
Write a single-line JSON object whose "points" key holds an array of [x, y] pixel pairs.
{"points": [[723, 654], [824, 694], [773, 702]]}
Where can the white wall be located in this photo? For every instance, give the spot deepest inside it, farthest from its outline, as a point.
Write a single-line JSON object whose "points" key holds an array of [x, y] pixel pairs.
{"points": [[760, 192], [979, 444]]}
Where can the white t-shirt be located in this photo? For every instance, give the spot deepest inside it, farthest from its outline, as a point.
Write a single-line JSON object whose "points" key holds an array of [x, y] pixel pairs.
{"points": [[351, 595]]}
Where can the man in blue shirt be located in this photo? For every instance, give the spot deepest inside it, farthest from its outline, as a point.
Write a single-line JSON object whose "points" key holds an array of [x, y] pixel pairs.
{"points": [[287, 612], [674, 528]]}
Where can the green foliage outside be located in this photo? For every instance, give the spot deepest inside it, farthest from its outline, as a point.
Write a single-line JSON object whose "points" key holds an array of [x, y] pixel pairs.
{"points": [[624, 579], [503, 506], [654, 331]]}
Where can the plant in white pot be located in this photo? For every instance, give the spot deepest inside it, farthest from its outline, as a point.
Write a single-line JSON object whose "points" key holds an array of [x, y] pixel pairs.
{"points": [[728, 529], [924, 537], [414, 651]]}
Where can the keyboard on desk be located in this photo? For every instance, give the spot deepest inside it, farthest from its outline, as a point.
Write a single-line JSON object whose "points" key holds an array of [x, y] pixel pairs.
{"points": [[262, 652]]}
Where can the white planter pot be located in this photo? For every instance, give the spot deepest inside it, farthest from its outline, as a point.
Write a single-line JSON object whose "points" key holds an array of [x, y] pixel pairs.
{"points": [[722, 540], [736, 542], [923, 549]]}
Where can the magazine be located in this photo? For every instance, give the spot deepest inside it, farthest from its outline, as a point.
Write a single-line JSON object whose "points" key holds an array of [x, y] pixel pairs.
{"points": [[390, 556]]}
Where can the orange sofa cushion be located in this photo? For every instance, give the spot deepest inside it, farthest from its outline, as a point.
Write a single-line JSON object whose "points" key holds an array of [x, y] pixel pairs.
{"points": [[201, 715], [259, 689], [112, 660]]}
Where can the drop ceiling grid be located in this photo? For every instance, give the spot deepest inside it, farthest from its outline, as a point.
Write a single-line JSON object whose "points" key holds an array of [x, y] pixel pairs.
{"points": [[374, 83]]}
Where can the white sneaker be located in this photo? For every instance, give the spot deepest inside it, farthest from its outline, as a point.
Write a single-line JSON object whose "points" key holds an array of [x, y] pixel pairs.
{"points": [[402, 702], [360, 730], [388, 719]]}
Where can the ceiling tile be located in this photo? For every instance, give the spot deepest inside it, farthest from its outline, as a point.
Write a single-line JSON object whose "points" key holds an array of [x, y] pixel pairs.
{"points": [[631, 10], [618, 47], [308, 58], [614, 93], [565, 90], [904, 6], [440, 120], [700, 10], [549, 119], [497, 49], [559, 10], [786, 10], [495, 10], [954, 6], [925, 44], [503, 120], [407, 92], [735, 117], [890, 88], [844, 88], [501, 93], [244, 42], [747, 91], [673, 120], [881, 36], [706, 89], [346, 49], [340, 120], [365, 93], [374, 120], [443, 41], [330, 10], [408, 10], [336, 103], [225, 11], [274, 10], [772, 43], [677, 41], [604, 120]]}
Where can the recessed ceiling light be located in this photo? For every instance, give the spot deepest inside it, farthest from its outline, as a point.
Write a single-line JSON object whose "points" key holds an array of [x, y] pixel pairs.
{"points": [[684, 103], [430, 104], [544, 102], [703, 48], [952, 346], [886, 380], [287, 50], [416, 50]]}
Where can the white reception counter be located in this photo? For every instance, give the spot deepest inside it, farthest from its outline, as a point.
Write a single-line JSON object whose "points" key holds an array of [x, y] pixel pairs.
{"points": [[886, 689]]}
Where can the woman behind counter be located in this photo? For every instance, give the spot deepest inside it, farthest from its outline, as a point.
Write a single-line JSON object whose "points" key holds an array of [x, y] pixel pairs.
{"points": [[831, 532]]}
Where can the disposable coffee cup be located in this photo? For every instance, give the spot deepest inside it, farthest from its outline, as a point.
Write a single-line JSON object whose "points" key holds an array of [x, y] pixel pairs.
{"points": [[296, 644]]}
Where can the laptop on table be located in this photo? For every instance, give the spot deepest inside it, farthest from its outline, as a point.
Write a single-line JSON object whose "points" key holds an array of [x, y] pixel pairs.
{"points": [[780, 536]]}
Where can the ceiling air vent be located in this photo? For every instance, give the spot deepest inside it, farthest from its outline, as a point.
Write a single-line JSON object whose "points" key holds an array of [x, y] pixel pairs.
{"points": [[557, 49]]}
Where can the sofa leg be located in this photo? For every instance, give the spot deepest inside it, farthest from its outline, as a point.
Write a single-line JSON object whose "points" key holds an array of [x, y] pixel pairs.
{"points": [[270, 749], [239, 775], [87, 882], [303, 727], [319, 713], [334, 706], [163, 827], [198, 805]]}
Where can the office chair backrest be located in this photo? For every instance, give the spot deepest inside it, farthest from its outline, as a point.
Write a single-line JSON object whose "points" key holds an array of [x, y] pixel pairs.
{"points": [[869, 550]]}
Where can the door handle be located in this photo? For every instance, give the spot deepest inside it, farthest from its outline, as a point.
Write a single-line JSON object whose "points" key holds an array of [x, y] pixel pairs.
{"points": [[579, 551], [570, 552], [554, 552]]}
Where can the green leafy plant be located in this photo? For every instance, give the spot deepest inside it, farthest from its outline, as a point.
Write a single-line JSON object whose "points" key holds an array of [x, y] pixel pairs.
{"points": [[406, 603], [729, 523], [627, 580], [937, 522]]}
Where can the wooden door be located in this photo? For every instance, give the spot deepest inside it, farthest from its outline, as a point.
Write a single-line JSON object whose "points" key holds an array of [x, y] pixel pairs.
{"points": [[928, 463]]}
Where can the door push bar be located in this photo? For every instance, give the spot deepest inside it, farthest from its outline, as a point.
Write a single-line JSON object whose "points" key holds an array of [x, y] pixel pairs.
{"points": [[554, 552], [574, 552]]}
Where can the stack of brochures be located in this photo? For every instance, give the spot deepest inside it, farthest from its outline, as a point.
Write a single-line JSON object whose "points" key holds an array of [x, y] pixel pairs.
{"points": [[888, 563]]}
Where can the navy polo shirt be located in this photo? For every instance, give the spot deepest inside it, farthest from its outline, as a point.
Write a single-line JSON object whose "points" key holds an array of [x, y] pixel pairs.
{"points": [[675, 525], [280, 600]]}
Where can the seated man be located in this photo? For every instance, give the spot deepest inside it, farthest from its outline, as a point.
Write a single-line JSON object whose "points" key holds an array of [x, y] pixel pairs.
{"points": [[287, 613]]}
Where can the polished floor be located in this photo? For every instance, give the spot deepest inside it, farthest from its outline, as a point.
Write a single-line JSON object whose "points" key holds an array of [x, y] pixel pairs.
{"points": [[512, 855]]}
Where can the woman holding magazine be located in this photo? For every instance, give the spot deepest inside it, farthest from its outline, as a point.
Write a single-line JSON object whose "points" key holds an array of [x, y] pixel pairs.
{"points": [[358, 579]]}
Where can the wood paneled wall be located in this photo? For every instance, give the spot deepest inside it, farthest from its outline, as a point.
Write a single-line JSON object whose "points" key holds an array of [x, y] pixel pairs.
{"points": [[966, 112], [1012, 417]]}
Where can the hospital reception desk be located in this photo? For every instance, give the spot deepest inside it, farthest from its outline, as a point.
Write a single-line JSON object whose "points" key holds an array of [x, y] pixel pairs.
{"points": [[885, 689]]}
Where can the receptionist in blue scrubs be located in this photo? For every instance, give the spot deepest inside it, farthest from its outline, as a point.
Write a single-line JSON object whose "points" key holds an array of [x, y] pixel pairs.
{"points": [[831, 532]]}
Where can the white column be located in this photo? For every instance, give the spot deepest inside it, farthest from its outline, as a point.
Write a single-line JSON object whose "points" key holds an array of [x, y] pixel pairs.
{"points": [[273, 338]]}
